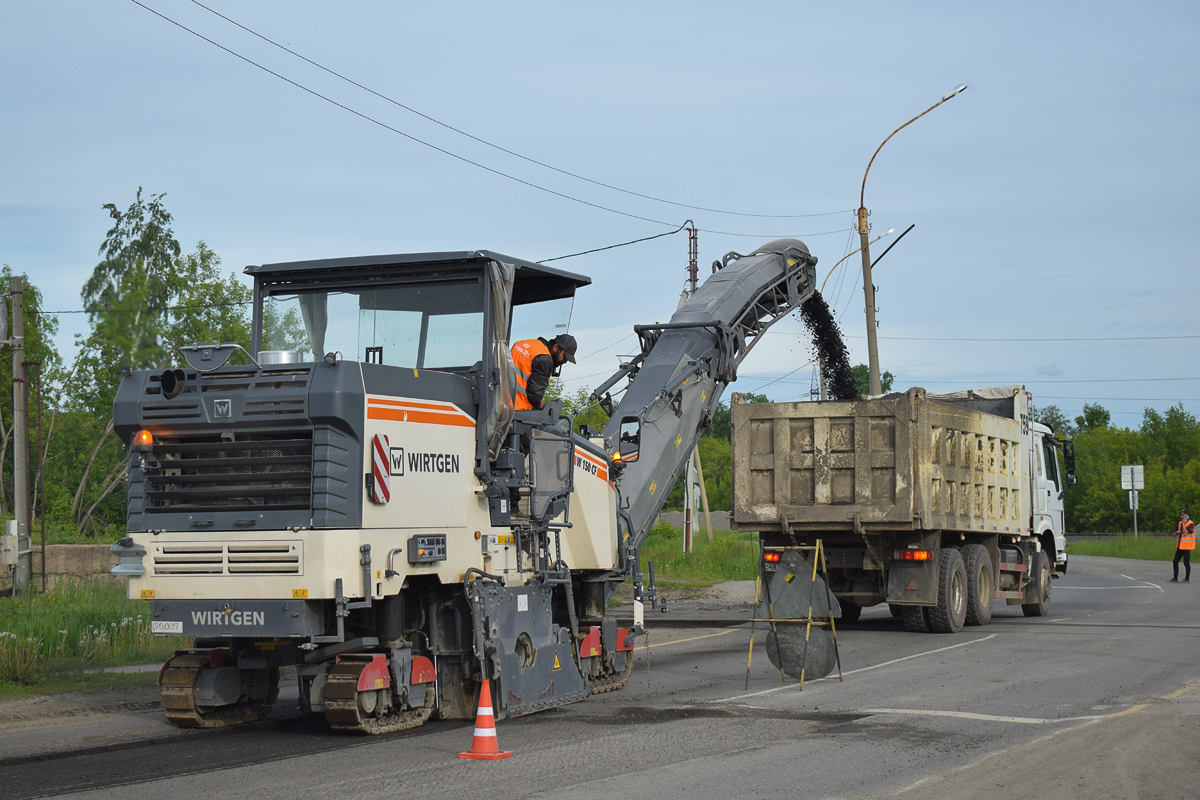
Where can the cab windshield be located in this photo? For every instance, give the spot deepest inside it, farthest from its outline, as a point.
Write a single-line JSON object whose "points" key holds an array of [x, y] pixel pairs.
{"points": [[432, 325]]}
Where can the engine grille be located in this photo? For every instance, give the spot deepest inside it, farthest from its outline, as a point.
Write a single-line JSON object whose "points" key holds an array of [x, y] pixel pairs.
{"points": [[228, 558], [248, 472]]}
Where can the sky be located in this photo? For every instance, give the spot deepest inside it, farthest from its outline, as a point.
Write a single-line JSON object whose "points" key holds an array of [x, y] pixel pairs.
{"points": [[1051, 200]]}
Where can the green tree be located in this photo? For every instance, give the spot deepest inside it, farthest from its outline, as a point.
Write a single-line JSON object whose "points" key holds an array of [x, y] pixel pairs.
{"points": [[129, 291], [721, 426], [1174, 436], [1056, 419], [144, 299], [862, 379], [1094, 417], [577, 406]]}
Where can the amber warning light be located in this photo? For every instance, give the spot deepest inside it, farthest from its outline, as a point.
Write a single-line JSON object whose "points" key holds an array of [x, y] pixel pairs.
{"points": [[771, 558], [914, 555], [143, 441]]}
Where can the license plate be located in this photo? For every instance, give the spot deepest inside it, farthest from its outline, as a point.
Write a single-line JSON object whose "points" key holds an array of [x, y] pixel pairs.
{"points": [[166, 626]]}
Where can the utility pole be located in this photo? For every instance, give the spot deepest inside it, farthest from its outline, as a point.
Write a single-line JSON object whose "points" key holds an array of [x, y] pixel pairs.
{"points": [[693, 260], [20, 394], [863, 228]]}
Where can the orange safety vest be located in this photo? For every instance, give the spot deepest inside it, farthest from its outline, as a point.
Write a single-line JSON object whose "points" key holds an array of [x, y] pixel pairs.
{"points": [[523, 353], [1186, 531]]}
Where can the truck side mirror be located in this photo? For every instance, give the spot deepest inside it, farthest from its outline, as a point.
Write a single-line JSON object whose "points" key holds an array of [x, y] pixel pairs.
{"points": [[1068, 447], [629, 439]]}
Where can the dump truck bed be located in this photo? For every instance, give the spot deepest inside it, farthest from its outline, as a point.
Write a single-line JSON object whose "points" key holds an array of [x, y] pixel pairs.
{"points": [[905, 461]]}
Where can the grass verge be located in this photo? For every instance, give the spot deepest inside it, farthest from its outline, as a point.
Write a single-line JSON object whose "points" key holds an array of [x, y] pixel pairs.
{"points": [[78, 626], [731, 556], [1146, 548]]}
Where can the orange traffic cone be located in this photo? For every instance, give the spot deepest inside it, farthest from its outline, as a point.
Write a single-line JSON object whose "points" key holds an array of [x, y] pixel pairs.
{"points": [[483, 746]]}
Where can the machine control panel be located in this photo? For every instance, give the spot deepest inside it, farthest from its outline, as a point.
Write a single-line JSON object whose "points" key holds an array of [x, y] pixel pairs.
{"points": [[427, 547]]}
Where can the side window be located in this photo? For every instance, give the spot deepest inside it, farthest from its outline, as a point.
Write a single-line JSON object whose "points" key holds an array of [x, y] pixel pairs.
{"points": [[1051, 463]]}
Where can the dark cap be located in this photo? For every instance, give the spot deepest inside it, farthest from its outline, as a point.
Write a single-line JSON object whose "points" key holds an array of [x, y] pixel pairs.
{"points": [[1184, 511], [567, 343]]}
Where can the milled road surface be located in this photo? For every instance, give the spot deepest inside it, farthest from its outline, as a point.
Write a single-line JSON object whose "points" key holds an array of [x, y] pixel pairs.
{"points": [[1101, 699]]}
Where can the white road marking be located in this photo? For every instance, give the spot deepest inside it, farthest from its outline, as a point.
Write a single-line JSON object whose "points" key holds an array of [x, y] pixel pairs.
{"points": [[922, 712], [1106, 588], [855, 671], [1147, 583]]}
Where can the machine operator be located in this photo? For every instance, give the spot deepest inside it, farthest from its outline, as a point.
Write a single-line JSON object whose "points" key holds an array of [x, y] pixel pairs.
{"points": [[538, 360]]}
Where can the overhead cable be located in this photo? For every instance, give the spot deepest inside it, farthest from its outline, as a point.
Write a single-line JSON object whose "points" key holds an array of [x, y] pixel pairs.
{"points": [[614, 246], [495, 146], [449, 153]]}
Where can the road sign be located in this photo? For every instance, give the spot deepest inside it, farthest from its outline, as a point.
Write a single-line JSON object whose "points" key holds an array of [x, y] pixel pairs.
{"points": [[1133, 477], [1133, 500]]}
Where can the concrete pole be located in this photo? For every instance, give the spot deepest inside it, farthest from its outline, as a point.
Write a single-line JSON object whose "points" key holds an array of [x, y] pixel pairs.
{"points": [[869, 295], [868, 286], [703, 493], [20, 395]]}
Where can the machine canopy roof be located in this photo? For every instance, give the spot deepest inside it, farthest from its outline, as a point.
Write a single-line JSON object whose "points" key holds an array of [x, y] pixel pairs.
{"points": [[533, 283]]}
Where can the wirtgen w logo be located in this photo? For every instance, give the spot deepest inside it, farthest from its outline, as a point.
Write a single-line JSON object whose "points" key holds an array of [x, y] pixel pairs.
{"points": [[222, 409], [400, 462]]}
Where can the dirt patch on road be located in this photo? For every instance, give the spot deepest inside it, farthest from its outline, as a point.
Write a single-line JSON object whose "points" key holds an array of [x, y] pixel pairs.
{"points": [[36, 712]]}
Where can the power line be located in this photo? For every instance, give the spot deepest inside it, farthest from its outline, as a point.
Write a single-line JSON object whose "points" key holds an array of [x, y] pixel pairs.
{"points": [[1131, 399], [449, 153], [1032, 339], [144, 310], [614, 246], [986, 339], [498, 147], [997, 382]]}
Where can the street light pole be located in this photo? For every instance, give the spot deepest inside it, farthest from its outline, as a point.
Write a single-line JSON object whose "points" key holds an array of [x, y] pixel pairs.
{"points": [[863, 229]]}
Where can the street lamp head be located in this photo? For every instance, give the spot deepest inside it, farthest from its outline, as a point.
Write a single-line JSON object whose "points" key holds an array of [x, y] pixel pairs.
{"points": [[961, 88]]}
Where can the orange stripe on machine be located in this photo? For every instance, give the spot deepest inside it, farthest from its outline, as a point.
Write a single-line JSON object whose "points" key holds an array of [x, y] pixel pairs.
{"points": [[591, 465], [426, 412]]}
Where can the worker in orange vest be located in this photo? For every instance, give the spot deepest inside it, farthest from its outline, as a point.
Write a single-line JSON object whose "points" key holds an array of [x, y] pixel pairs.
{"points": [[1185, 543], [537, 360]]}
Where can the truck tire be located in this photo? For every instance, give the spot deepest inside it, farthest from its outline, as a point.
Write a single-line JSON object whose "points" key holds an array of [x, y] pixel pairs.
{"points": [[916, 618], [950, 613], [850, 612], [1039, 584], [897, 611], [980, 580]]}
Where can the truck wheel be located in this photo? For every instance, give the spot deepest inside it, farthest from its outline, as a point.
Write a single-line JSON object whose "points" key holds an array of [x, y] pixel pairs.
{"points": [[979, 584], [1039, 586], [897, 611], [950, 613], [850, 612], [915, 618]]}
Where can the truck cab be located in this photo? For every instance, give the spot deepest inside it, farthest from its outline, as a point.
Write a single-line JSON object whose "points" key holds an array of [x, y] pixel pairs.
{"points": [[1049, 486]]}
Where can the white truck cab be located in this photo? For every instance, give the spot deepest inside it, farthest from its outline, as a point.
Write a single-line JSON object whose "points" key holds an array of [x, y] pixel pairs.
{"points": [[1049, 487]]}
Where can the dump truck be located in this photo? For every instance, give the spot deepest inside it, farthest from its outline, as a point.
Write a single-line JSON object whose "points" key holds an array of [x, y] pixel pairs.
{"points": [[935, 503], [360, 499]]}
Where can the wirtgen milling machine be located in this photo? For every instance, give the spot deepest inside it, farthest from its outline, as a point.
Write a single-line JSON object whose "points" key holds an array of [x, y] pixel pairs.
{"points": [[362, 502]]}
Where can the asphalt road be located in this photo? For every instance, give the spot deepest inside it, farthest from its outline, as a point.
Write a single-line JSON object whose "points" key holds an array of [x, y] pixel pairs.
{"points": [[1100, 699]]}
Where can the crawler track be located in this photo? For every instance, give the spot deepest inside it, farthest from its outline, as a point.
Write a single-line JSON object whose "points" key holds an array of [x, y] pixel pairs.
{"points": [[178, 681], [348, 709]]}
